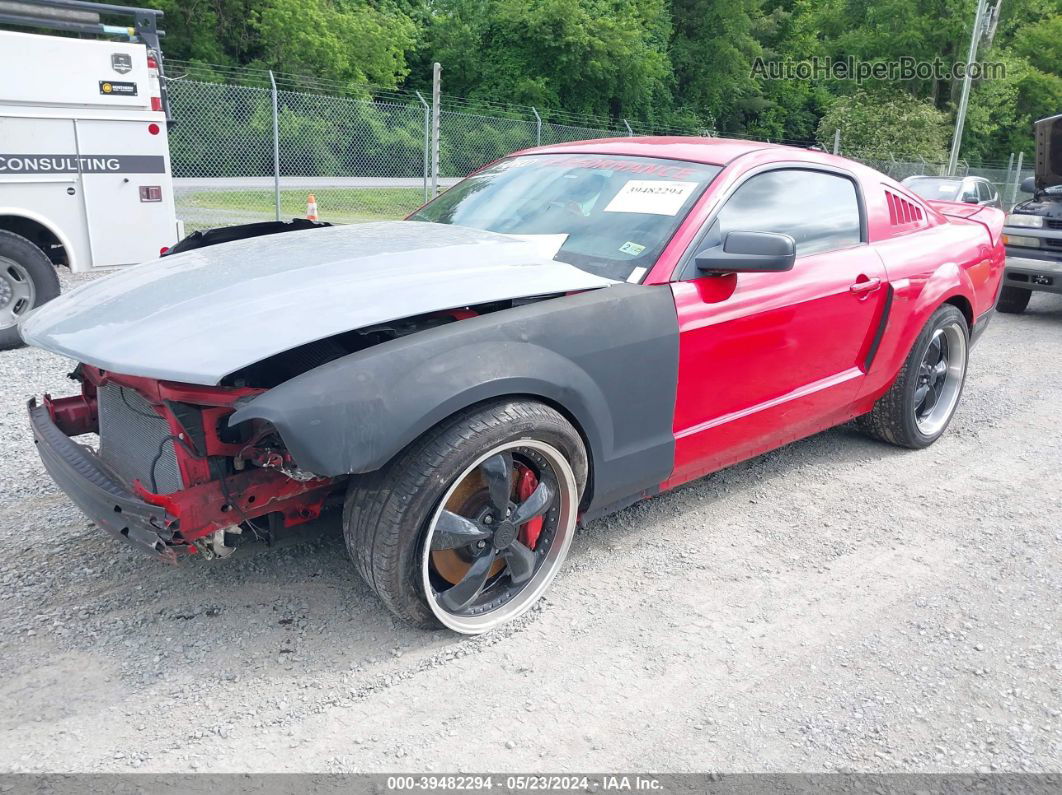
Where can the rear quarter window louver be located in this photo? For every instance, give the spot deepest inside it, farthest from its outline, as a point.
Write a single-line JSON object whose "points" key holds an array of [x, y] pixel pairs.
{"points": [[903, 212]]}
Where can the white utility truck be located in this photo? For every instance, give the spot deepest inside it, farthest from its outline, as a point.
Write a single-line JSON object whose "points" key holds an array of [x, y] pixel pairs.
{"points": [[84, 158]]}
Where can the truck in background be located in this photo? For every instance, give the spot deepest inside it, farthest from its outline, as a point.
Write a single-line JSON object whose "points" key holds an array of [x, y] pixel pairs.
{"points": [[1033, 233], [84, 158]]}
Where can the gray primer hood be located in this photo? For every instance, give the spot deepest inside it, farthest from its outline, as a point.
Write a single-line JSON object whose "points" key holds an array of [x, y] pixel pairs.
{"points": [[198, 316]]}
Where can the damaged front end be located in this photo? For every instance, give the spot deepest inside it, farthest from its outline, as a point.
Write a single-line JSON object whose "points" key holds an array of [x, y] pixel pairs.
{"points": [[168, 474]]}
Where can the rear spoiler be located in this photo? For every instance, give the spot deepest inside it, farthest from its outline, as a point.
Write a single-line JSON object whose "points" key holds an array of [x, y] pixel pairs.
{"points": [[988, 217], [955, 209]]}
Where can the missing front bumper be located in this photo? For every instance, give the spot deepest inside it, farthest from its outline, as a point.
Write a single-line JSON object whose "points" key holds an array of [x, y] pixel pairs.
{"points": [[97, 492]]}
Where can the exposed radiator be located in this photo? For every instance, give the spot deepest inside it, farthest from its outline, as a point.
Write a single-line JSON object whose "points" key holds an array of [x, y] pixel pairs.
{"points": [[134, 440]]}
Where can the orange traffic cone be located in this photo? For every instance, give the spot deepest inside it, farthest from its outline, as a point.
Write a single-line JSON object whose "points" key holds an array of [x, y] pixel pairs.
{"points": [[311, 208]]}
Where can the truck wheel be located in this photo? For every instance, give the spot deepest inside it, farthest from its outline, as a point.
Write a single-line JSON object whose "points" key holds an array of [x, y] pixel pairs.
{"points": [[1013, 300], [467, 527], [920, 403], [27, 279]]}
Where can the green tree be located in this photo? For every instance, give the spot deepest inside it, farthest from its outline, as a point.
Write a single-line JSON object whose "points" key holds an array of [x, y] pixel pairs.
{"points": [[1002, 111], [876, 127], [353, 41], [348, 41], [686, 63], [713, 48], [788, 31], [602, 57]]}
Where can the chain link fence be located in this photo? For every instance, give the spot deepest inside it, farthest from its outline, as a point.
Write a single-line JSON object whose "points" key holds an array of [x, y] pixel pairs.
{"points": [[362, 159], [368, 158], [1006, 177]]}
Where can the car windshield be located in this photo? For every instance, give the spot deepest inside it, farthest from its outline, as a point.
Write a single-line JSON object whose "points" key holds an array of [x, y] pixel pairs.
{"points": [[939, 188], [609, 215]]}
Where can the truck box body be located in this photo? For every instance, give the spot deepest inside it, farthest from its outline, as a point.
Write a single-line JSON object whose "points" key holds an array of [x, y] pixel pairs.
{"points": [[81, 150]]}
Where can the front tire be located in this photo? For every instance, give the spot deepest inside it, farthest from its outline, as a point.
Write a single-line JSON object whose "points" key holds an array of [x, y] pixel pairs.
{"points": [[1013, 300], [467, 527], [922, 400], [27, 280]]}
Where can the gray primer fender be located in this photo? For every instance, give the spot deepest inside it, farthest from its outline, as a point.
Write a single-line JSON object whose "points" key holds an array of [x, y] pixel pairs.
{"points": [[608, 357]]}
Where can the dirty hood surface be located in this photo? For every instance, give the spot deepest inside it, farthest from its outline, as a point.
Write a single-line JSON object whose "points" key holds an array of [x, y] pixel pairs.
{"points": [[201, 315]]}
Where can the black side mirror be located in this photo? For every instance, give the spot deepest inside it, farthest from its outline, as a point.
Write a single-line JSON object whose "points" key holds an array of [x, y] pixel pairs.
{"points": [[1028, 185], [749, 252]]}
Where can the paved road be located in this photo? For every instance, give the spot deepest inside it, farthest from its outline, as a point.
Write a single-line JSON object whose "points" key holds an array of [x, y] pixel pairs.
{"points": [[186, 184]]}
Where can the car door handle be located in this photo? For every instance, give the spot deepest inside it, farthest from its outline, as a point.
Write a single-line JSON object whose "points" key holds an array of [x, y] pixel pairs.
{"points": [[866, 286]]}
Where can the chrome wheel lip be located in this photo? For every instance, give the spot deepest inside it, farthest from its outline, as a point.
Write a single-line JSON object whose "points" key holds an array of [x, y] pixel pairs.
{"points": [[551, 564], [15, 293], [939, 416]]}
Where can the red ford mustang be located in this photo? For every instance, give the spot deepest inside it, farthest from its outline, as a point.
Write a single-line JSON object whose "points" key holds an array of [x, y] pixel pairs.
{"points": [[567, 331]]}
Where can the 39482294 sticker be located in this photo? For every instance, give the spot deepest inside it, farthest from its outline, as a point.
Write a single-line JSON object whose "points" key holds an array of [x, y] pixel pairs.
{"points": [[652, 196]]}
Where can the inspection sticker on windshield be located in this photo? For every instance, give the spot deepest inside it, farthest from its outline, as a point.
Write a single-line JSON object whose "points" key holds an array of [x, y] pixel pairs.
{"points": [[634, 249], [654, 196]]}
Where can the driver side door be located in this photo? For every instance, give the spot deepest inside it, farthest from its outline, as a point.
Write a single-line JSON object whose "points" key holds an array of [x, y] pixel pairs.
{"points": [[766, 358]]}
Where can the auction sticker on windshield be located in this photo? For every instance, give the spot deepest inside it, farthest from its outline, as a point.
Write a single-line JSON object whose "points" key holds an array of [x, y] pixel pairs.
{"points": [[657, 197]]}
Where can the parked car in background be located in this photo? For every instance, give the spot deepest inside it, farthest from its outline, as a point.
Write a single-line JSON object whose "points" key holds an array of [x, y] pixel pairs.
{"points": [[1033, 233], [567, 331], [969, 190]]}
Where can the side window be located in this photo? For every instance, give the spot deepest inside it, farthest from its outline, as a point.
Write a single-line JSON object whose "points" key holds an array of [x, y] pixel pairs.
{"points": [[984, 191], [820, 211]]}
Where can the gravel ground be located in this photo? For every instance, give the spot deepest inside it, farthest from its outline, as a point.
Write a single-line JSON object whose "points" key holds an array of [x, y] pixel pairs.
{"points": [[835, 605]]}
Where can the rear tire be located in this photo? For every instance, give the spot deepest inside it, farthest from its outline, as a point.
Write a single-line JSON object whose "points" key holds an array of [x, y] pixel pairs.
{"points": [[27, 280], [394, 526], [1013, 300], [922, 400]]}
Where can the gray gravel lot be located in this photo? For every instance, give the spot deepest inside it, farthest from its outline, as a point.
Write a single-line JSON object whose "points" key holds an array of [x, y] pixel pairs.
{"points": [[837, 604]]}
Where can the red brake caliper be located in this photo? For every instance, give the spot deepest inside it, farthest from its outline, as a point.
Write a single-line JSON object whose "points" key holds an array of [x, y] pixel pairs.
{"points": [[525, 487]]}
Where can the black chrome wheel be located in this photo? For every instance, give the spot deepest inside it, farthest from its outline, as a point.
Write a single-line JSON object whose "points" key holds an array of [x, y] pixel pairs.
{"points": [[468, 525], [939, 379], [499, 535], [925, 393]]}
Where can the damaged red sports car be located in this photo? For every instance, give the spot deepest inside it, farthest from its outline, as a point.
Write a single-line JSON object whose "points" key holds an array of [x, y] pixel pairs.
{"points": [[569, 330]]}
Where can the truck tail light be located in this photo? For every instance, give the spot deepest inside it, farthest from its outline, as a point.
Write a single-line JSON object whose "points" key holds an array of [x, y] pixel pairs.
{"points": [[153, 80], [150, 193]]}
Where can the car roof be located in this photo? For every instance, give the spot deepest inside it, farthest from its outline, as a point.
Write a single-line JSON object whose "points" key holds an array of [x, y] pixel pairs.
{"points": [[712, 151]]}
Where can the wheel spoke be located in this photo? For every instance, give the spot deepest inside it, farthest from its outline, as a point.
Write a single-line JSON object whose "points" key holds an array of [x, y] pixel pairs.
{"points": [[521, 562], [932, 395], [535, 505], [462, 594], [938, 388], [452, 531], [920, 398], [933, 352], [498, 471]]}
